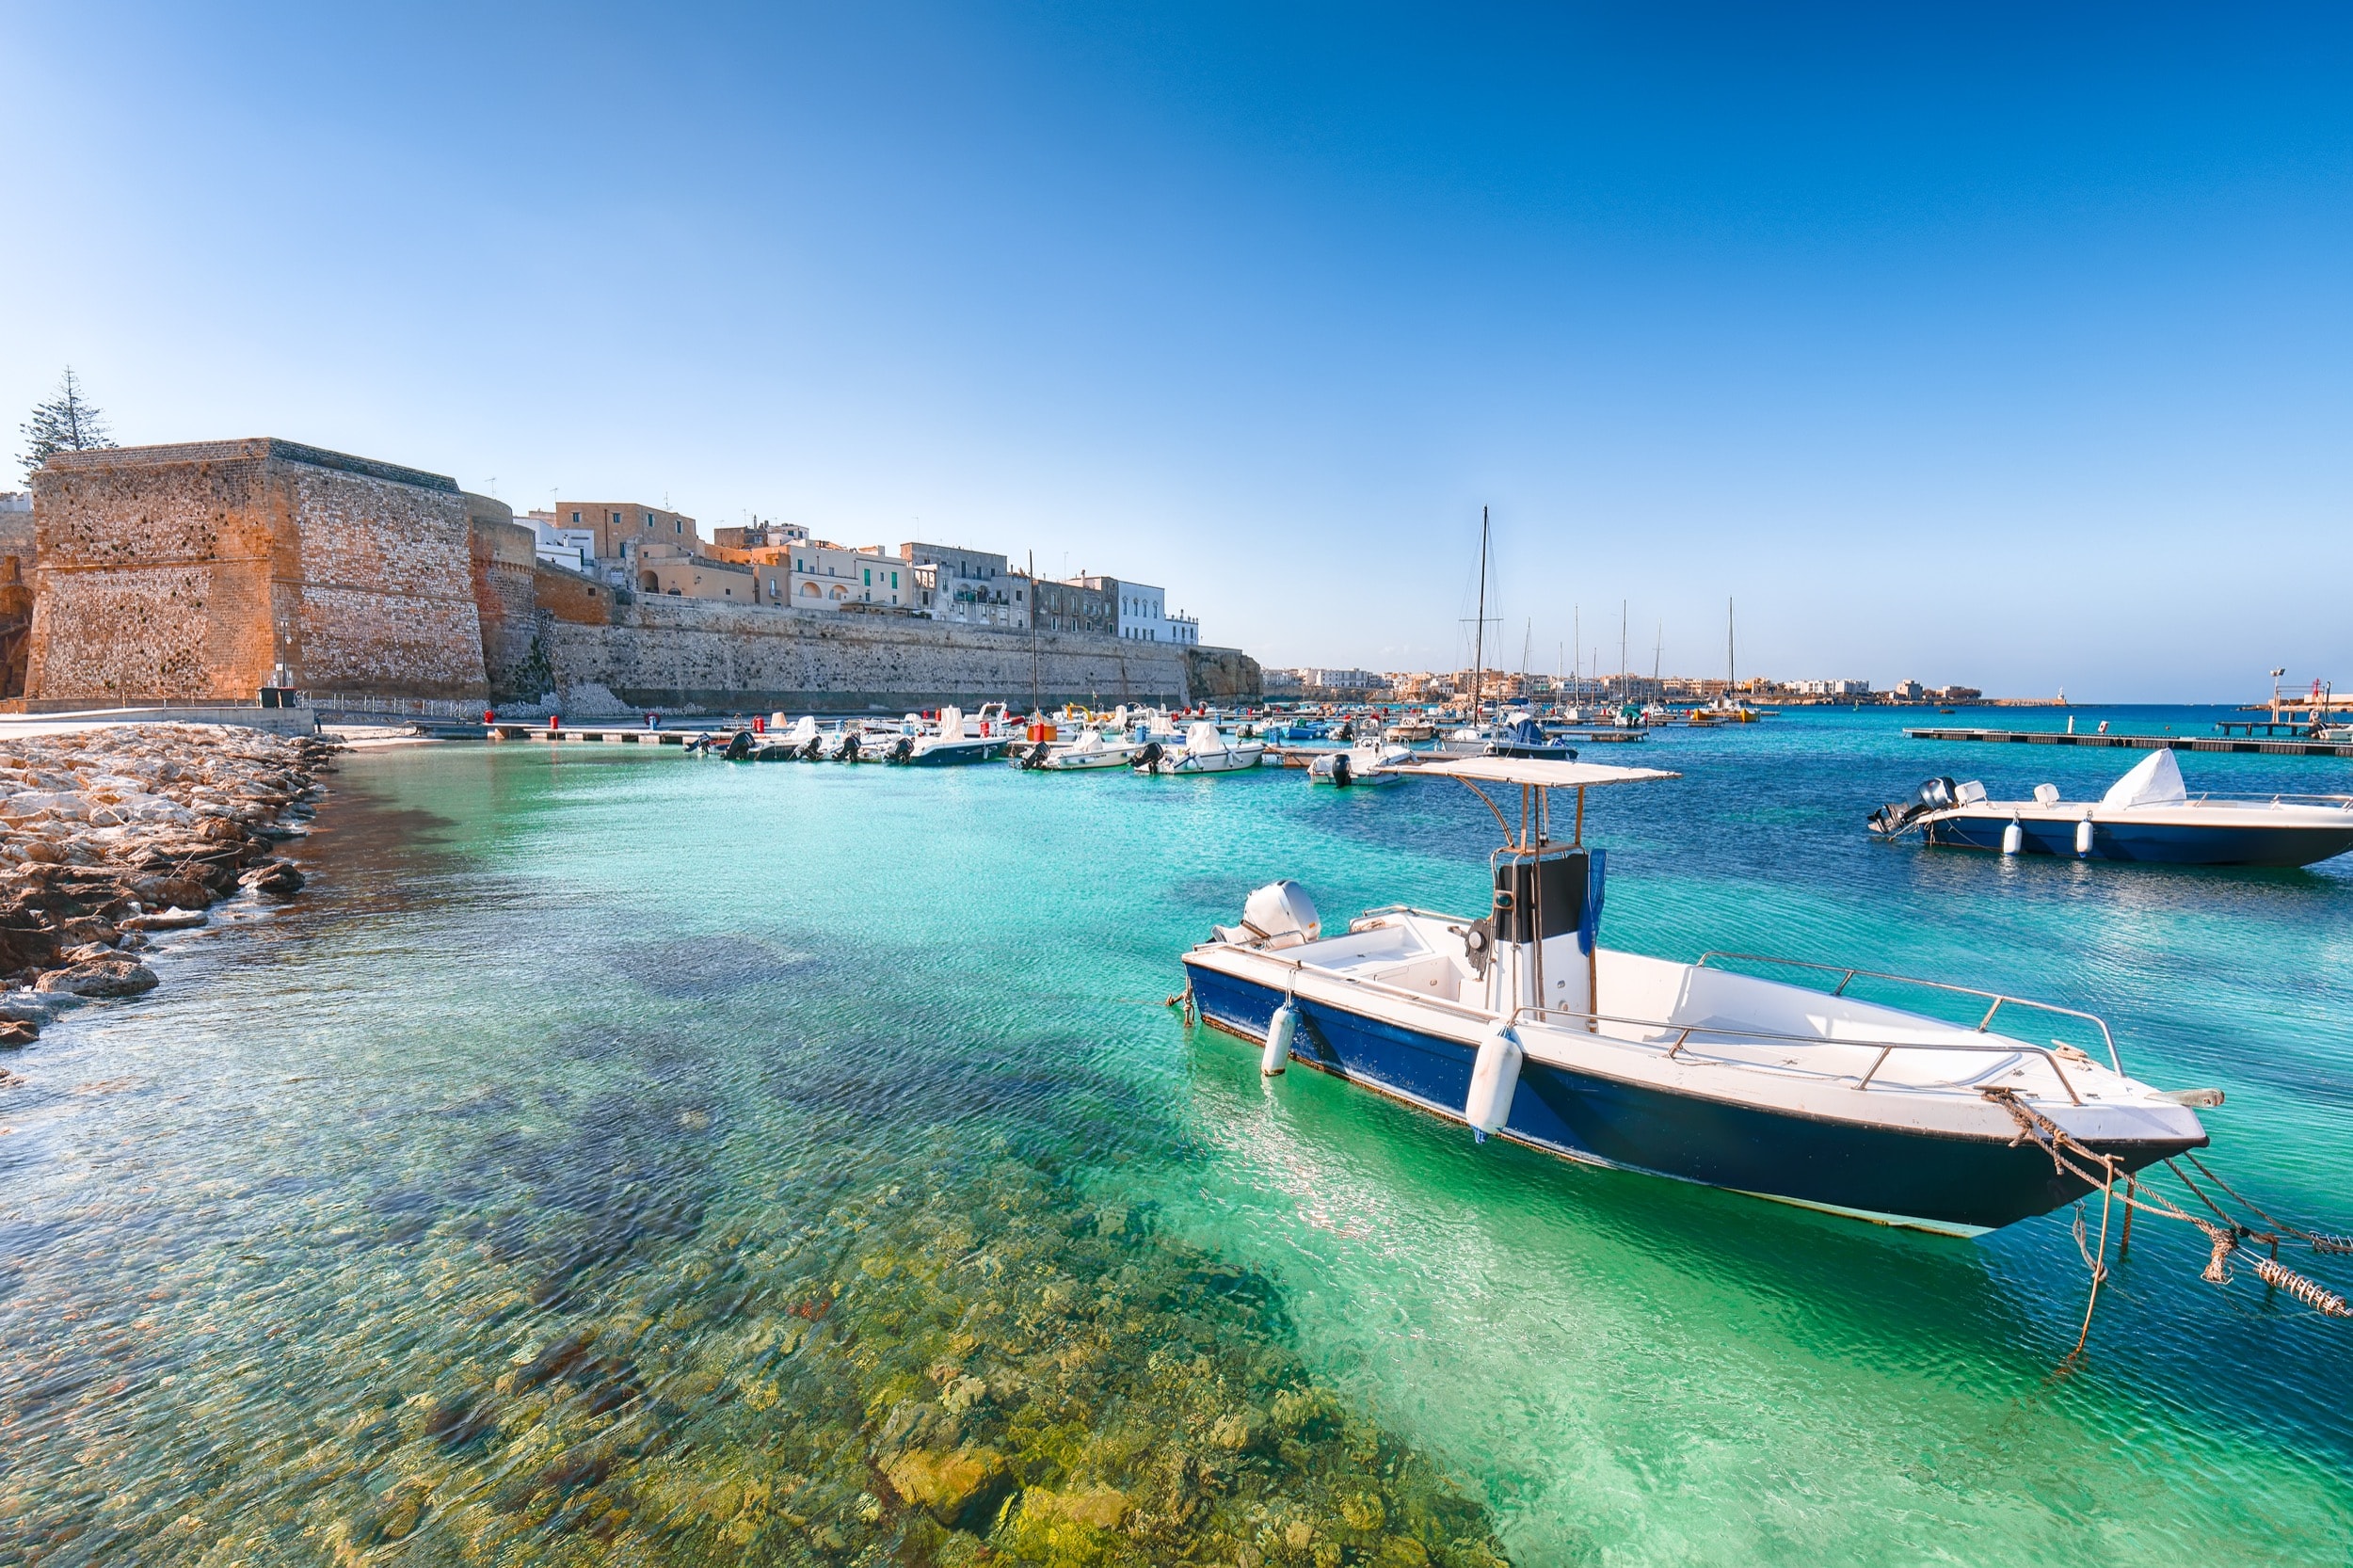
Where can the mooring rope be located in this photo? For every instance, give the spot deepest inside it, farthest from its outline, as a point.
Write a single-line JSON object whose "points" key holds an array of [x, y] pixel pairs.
{"points": [[2098, 1171], [2321, 1241]]}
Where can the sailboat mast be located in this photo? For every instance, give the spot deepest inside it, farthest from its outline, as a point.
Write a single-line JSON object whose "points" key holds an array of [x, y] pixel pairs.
{"points": [[1479, 635], [1732, 665], [1037, 702], [1624, 664]]}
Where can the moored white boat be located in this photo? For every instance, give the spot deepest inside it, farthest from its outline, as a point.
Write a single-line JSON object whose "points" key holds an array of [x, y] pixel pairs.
{"points": [[2148, 815], [1207, 750], [1366, 763], [1091, 750], [1519, 1023]]}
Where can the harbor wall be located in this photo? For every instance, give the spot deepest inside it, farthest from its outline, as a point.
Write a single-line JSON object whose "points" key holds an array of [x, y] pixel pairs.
{"points": [[190, 572], [202, 572], [682, 653]]}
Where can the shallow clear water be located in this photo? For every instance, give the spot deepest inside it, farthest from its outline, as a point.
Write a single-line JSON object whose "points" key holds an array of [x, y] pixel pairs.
{"points": [[608, 1036]]}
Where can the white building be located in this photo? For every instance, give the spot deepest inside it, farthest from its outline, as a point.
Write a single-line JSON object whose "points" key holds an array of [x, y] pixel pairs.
{"points": [[574, 548], [974, 586], [1144, 615], [1833, 688], [1344, 681], [820, 576]]}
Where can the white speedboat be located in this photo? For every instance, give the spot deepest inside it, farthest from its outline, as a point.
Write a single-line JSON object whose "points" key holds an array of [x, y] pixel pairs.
{"points": [[1367, 762], [954, 740], [1090, 750], [2148, 815], [1518, 1023], [1207, 750], [1412, 728]]}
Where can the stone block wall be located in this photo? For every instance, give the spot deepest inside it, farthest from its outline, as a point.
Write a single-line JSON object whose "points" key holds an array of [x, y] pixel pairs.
{"points": [[676, 653], [17, 557], [188, 572], [505, 559]]}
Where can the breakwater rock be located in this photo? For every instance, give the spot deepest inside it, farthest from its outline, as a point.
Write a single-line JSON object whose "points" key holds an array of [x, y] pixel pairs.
{"points": [[108, 834]]}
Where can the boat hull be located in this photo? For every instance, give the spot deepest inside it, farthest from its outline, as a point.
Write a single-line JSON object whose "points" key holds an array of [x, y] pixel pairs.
{"points": [[1957, 1186], [2152, 843], [956, 754]]}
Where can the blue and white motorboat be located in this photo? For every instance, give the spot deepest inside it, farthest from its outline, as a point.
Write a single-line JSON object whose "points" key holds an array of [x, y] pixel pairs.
{"points": [[2148, 815], [1520, 1024], [952, 743], [1524, 737]]}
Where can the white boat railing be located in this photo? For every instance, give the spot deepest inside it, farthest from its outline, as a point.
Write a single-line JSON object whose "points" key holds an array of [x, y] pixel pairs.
{"points": [[1996, 1000], [1886, 1048], [1712, 1031]]}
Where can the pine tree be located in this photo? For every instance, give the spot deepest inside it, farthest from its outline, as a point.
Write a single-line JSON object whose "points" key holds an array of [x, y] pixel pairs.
{"points": [[66, 422]]}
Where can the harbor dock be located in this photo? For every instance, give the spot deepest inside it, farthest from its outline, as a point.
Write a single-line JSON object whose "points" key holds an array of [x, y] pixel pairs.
{"points": [[2267, 747], [631, 734]]}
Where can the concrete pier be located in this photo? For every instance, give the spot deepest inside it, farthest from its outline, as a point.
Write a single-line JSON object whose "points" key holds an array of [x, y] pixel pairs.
{"points": [[2142, 743]]}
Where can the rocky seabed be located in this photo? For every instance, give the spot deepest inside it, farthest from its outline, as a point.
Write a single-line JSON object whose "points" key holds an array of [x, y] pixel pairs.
{"points": [[109, 836]]}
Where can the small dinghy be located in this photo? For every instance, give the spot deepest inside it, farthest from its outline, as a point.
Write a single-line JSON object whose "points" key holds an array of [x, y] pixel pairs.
{"points": [[2148, 815], [1520, 1024]]}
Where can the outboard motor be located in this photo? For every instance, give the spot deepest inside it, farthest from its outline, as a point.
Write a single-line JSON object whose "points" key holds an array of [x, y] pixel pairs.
{"points": [[900, 749], [1147, 757], [1934, 794], [849, 747], [1280, 915], [1036, 757], [1343, 775], [812, 750], [740, 746], [1345, 734]]}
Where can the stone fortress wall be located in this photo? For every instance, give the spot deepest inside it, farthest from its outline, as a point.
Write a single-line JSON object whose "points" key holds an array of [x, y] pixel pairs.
{"points": [[193, 572]]}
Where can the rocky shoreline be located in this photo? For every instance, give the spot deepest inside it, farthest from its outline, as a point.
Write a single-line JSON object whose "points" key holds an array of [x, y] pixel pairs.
{"points": [[109, 834]]}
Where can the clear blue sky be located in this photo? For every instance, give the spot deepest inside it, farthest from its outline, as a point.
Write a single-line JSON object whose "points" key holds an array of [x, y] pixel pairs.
{"points": [[2000, 344]]}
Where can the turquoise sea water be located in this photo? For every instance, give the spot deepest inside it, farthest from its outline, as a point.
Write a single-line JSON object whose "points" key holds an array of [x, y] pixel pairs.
{"points": [[608, 1035]]}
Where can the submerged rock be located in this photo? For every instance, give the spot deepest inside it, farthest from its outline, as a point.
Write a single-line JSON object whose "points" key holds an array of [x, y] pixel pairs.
{"points": [[959, 1488]]}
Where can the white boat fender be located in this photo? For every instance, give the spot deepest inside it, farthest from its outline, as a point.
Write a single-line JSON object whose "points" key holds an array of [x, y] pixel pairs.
{"points": [[1495, 1079], [2083, 835], [1279, 1032], [2013, 837]]}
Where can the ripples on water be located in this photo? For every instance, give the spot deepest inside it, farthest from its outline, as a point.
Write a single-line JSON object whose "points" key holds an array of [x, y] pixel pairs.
{"points": [[620, 1157]]}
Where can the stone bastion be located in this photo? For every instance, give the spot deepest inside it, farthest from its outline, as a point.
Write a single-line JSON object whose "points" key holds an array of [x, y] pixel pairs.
{"points": [[203, 571]]}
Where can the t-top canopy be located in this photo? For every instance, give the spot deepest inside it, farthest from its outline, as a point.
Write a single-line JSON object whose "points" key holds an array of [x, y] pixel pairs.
{"points": [[1533, 770]]}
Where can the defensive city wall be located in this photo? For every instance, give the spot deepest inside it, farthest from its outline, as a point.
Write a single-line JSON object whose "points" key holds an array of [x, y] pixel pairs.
{"points": [[204, 572]]}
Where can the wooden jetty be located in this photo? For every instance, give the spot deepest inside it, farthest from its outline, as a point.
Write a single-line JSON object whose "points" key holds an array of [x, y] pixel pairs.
{"points": [[2269, 747]]}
